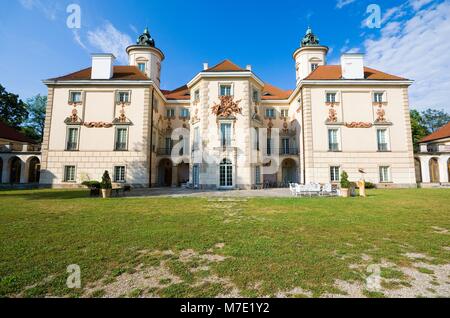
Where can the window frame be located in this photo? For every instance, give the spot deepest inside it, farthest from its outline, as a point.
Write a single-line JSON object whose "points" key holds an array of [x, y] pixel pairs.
{"points": [[338, 140], [170, 112], [72, 101], [257, 98], [65, 176], [338, 175], [387, 140], [184, 109], [271, 109], [379, 93], [123, 92], [282, 111], [331, 94], [116, 142], [197, 95], [226, 140], [228, 85], [139, 66], [381, 174], [69, 128], [314, 66], [124, 174]]}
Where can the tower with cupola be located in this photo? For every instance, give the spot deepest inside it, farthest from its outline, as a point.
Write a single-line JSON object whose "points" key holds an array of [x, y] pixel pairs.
{"points": [[309, 56], [146, 56]]}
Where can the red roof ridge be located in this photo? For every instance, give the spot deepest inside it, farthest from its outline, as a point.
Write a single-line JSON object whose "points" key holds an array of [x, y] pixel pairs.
{"points": [[443, 132], [224, 66], [120, 72], [334, 72]]}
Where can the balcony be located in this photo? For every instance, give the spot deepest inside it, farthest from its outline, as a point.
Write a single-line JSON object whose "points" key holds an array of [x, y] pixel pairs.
{"points": [[291, 151], [436, 148], [164, 151]]}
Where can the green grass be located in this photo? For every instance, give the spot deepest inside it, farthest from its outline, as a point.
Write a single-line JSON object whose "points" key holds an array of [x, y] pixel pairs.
{"points": [[279, 244]]}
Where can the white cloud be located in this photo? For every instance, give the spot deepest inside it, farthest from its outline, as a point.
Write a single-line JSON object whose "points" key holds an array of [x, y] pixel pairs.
{"points": [[342, 3], [417, 48], [77, 38], [48, 9], [110, 40], [418, 4]]}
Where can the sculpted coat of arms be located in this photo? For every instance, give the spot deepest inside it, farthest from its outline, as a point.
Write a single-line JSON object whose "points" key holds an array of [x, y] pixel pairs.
{"points": [[227, 107]]}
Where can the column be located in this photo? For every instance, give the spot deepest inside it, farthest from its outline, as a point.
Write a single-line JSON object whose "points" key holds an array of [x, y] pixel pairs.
{"points": [[5, 170], [425, 166], [23, 171], [443, 169]]}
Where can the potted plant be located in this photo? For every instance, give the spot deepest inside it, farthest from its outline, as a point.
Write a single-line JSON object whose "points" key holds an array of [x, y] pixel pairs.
{"points": [[106, 185], [345, 184]]}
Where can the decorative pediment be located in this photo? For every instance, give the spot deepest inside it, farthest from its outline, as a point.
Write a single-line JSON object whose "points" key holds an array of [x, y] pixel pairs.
{"points": [[98, 124], [227, 107]]}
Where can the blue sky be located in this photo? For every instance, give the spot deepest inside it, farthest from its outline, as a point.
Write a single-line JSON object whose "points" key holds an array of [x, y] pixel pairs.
{"points": [[413, 40]]}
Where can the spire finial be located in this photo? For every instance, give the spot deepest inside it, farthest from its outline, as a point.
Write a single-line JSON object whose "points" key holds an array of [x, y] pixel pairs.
{"points": [[146, 39], [309, 39]]}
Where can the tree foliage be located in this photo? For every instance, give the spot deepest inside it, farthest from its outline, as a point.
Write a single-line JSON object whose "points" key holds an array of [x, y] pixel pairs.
{"points": [[434, 119], [34, 125], [13, 111]]}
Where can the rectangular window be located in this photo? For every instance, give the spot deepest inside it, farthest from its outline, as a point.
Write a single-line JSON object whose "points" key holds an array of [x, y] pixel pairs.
{"points": [[72, 139], [385, 174], [75, 97], [225, 90], [335, 173], [197, 95], [196, 175], [284, 113], [170, 113], [382, 140], [257, 138], [258, 175], [184, 113], [141, 67], [314, 66], [121, 139], [119, 174], [123, 97], [378, 97], [225, 134], [255, 96], [333, 141], [270, 113], [69, 173], [331, 98]]}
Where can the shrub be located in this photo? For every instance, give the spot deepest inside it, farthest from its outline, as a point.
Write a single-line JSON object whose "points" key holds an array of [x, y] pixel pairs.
{"points": [[92, 184], [106, 181], [345, 184], [370, 185]]}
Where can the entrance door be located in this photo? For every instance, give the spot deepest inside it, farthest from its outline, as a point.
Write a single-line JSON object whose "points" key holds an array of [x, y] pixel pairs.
{"points": [[226, 174]]}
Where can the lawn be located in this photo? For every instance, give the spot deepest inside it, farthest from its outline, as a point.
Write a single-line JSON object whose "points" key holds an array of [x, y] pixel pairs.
{"points": [[209, 247]]}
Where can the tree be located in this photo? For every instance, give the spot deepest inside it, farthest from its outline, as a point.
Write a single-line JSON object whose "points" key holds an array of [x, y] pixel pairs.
{"points": [[34, 125], [434, 119], [13, 111], [419, 130]]}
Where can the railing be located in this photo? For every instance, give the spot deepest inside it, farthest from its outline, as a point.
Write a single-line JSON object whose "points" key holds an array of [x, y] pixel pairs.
{"points": [[20, 148], [291, 151], [438, 148], [164, 151], [121, 146]]}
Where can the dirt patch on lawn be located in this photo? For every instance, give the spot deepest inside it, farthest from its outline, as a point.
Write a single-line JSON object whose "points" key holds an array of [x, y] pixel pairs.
{"points": [[148, 281]]}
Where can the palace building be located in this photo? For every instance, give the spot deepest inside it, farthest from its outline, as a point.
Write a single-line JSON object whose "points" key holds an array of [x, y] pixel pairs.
{"points": [[227, 128]]}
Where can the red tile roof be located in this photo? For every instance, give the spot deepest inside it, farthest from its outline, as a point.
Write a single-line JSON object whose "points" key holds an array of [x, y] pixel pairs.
{"points": [[441, 133], [272, 92], [125, 73], [334, 72], [179, 93], [9, 133], [225, 66]]}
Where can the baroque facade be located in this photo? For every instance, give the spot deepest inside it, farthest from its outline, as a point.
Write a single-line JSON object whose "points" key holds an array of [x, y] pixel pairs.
{"points": [[227, 128]]}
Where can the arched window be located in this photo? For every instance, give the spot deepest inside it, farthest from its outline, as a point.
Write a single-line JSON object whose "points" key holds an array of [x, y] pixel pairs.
{"points": [[226, 173]]}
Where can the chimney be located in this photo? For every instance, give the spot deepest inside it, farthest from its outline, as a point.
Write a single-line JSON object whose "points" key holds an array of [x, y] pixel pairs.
{"points": [[352, 65], [248, 67], [205, 66], [102, 66]]}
